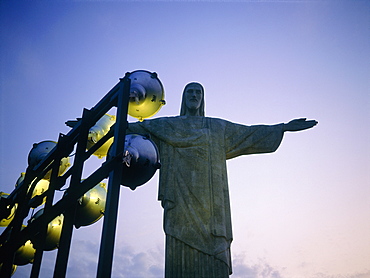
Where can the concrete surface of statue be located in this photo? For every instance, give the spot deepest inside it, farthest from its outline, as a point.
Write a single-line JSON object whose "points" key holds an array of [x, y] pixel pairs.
{"points": [[193, 184]]}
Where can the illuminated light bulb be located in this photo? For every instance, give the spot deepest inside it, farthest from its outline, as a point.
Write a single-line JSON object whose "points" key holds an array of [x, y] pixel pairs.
{"points": [[25, 254], [100, 129], [41, 186], [146, 94], [90, 207], [40, 150], [54, 230]]}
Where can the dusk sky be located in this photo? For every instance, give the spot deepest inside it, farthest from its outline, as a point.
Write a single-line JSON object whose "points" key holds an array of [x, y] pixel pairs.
{"points": [[301, 212]]}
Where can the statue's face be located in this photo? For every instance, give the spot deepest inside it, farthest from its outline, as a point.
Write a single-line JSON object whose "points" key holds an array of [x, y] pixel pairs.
{"points": [[193, 97]]}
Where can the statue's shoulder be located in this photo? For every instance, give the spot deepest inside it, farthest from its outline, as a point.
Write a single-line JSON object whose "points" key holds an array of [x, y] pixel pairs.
{"points": [[168, 119], [158, 120], [176, 120], [217, 121]]}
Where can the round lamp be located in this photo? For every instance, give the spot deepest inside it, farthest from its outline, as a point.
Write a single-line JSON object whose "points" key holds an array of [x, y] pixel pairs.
{"points": [[100, 129], [53, 233], [140, 161], [146, 94], [91, 206], [40, 150]]}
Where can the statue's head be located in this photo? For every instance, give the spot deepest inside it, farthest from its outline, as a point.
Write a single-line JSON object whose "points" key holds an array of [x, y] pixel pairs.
{"points": [[192, 100]]}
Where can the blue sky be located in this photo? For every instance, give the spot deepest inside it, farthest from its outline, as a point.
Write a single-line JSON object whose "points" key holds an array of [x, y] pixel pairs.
{"points": [[302, 211]]}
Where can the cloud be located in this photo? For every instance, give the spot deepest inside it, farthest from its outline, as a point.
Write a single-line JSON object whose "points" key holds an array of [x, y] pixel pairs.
{"points": [[262, 269], [83, 259], [363, 274], [127, 262]]}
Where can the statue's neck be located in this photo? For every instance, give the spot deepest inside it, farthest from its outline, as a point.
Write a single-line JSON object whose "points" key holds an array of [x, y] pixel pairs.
{"points": [[190, 112]]}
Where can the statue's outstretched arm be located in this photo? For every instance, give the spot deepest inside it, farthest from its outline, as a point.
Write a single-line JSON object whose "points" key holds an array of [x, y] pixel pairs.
{"points": [[299, 124]]}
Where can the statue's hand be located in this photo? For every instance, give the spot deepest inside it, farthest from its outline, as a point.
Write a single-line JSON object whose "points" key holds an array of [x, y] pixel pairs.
{"points": [[299, 124]]}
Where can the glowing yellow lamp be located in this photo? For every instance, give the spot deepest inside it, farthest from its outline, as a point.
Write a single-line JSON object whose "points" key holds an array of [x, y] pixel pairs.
{"points": [[25, 254], [40, 150], [146, 94], [100, 129], [53, 233], [39, 189], [91, 206]]}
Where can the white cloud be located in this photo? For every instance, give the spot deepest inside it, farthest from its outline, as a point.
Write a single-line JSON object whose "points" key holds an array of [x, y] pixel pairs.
{"points": [[127, 262], [262, 269], [130, 263], [365, 274]]}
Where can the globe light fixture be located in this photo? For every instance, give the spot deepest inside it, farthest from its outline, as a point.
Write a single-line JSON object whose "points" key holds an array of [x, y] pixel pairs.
{"points": [[40, 150], [53, 233], [100, 129], [41, 186], [90, 207], [25, 254], [146, 94], [140, 161]]}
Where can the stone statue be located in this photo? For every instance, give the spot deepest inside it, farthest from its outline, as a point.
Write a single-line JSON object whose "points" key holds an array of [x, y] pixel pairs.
{"points": [[193, 184]]}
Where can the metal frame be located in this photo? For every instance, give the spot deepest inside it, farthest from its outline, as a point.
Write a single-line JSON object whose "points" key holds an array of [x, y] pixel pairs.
{"points": [[14, 236]]}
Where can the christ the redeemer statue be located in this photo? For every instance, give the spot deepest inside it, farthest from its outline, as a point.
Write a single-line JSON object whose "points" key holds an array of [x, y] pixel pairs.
{"points": [[193, 185]]}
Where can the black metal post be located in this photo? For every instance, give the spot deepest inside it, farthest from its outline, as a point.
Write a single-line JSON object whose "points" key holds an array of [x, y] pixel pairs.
{"points": [[114, 184], [69, 214], [36, 265]]}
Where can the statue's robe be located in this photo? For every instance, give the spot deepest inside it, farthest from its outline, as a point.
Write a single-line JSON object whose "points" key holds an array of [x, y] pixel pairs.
{"points": [[193, 186]]}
